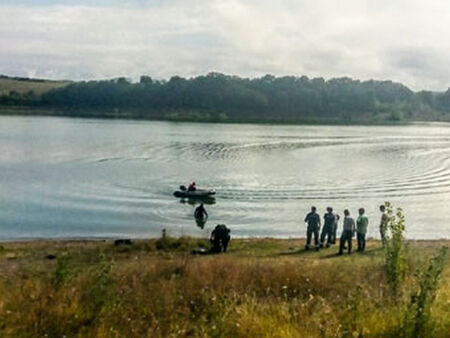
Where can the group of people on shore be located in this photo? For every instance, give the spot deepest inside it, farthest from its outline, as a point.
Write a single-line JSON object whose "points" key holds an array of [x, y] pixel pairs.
{"points": [[325, 238], [349, 228]]}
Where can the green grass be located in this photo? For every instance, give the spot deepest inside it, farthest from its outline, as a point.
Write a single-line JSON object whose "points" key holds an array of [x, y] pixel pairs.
{"points": [[260, 288], [21, 86]]}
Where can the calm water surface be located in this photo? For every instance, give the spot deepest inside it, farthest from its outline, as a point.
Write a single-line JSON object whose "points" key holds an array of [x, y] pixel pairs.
{"points": [[64, 177]]}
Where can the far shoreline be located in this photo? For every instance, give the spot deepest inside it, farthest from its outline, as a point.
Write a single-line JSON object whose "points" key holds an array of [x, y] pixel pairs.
{"points": [[130, 116]]}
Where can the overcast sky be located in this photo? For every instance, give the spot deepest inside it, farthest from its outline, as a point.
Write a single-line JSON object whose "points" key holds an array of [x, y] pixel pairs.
{"points": [[401, 40]]}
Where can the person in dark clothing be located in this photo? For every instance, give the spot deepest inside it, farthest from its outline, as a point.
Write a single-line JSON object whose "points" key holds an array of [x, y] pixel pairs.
{"points": [[220, 237], [192, 187], [201, 216], [327, 230], [200, 211], [348, 231], [313, 221]]}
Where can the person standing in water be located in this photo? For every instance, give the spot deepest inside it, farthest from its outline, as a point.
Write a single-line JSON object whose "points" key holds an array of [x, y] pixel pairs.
{"points": [[200, 215], [200, 211], [313, 221], [348, 230], [361, 229], [383, 224]]}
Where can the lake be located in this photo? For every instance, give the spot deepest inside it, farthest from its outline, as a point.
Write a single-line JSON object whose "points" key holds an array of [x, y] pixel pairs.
{"points": [[93, 178]]}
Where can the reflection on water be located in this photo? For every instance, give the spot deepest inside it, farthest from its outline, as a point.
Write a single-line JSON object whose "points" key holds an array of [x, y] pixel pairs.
{"points": [[102, 178], [196, 201], [201, 222]]}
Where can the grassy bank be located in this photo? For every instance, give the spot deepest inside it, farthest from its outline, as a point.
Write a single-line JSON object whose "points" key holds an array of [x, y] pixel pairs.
{"points": [[154, 288]]}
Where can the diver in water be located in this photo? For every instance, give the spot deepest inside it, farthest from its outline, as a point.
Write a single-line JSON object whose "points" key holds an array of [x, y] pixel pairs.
{"points": [[201, 216]]}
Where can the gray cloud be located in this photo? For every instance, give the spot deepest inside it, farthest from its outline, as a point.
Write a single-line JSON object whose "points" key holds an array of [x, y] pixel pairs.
{"points": [[404, 41]]}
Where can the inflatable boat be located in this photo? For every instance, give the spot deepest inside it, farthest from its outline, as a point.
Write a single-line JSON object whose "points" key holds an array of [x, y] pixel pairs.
{"points": [[197, 193]]}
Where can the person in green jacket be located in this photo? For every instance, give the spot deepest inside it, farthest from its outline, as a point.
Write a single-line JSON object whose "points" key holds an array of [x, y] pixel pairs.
{"points": [[361, 229]]}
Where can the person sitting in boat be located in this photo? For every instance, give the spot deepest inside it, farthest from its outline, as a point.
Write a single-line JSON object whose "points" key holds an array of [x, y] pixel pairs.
{"points": [[200, 212], [192, 187]]}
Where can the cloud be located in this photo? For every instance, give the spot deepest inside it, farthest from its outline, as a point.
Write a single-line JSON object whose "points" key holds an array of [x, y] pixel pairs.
{"points": [[404, 41]]}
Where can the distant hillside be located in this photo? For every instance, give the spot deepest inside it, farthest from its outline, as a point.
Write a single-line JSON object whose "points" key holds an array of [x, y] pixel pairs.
{"points": [[219, 97], [24, 85]]}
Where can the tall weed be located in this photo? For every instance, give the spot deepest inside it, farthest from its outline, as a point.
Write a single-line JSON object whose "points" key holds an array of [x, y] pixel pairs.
{"points": [[395, 249], [417, 316], [97, 291]]}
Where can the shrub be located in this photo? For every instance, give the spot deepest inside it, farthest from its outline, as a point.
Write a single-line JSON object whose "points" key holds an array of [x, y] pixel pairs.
{"points": [[96, 291], [395, 248], [417, 316]]}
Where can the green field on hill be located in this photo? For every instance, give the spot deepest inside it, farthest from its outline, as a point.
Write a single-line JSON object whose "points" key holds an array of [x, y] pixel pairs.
{"points": [[23, 86]]}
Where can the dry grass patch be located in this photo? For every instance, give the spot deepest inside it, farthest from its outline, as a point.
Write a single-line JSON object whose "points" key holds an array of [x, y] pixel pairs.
{"points": [[94, 289]]}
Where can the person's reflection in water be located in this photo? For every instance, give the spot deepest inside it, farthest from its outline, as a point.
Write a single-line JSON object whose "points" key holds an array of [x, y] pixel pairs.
{"points": [[194, 201], [201, 216]]}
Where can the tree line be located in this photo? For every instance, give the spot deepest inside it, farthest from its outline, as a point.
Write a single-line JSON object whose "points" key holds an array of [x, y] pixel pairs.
{"points": [[219, 97]]}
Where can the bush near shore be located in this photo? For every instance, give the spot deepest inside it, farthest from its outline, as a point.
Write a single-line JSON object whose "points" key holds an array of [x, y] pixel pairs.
{"points": [[155, 288]]}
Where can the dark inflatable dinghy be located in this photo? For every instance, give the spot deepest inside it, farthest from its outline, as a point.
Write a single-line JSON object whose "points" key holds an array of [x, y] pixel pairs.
{"points": [[198, 193]]}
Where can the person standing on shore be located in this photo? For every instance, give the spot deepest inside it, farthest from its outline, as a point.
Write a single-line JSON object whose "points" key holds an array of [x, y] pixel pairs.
{"points": [[361, 229], [348, 230], [313, 221], [220, 237], [327, 230], [383, 224], [335, 227]]}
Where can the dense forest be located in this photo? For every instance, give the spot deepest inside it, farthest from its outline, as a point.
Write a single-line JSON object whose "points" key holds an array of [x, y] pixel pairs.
{"points": [[219, 97]]}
